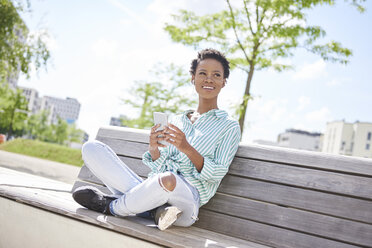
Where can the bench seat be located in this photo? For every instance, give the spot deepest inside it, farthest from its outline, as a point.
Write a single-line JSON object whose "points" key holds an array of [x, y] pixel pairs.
{"points": [[274, 196]]}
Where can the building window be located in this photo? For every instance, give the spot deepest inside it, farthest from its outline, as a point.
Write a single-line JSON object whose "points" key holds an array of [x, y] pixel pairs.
{"points": [[342, 145], [367, 146], [369, 136]]}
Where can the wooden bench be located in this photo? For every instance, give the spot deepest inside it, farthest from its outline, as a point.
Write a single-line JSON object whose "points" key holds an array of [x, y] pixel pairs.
{"points": [[271, 197]]}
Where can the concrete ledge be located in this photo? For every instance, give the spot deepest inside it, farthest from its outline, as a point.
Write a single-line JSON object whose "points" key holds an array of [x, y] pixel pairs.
{"points": [[26, 226]]}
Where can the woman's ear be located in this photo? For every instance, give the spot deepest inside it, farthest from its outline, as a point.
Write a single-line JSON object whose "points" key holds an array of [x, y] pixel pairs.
{"points": [[193, 79], [224, 82]]}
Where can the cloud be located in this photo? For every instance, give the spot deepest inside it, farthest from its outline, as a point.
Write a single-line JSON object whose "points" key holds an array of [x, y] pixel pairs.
{"points": [[139, 20], [337, 81], [163, 10], [303, 101], [126, 22], [321, 115], [311, 71], [104, 47]]}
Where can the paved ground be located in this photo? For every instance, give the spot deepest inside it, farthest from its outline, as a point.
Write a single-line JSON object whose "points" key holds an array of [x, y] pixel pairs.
{"points": [[41, 167]]}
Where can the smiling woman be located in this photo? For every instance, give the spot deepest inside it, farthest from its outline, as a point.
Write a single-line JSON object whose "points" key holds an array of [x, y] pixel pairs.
{"points": [[185, 174]]}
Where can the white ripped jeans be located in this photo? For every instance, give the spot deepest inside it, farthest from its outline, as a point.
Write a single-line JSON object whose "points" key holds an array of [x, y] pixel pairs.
{"points": [[136, 195]]}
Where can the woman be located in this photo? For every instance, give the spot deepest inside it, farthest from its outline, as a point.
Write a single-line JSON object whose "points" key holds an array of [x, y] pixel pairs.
{"points": [[186, 173]]}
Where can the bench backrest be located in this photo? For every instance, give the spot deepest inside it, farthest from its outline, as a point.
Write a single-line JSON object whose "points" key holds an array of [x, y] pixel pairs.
{"points": [[275, 196]]}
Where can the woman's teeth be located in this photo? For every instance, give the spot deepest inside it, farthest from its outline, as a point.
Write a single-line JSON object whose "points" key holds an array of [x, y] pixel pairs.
{"points": [[208, 87]]}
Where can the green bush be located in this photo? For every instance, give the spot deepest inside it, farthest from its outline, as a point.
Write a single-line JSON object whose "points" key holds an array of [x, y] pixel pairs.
{"points": [[44, 150]]}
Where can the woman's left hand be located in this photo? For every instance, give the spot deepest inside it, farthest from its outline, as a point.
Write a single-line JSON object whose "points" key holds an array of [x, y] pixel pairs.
{"points": [[176, 137]]}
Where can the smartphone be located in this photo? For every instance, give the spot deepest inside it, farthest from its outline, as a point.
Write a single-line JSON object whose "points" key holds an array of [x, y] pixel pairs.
{"points": [[162, 119]]}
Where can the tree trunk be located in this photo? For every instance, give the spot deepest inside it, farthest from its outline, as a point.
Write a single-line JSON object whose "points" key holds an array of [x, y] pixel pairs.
{"points": [[10, 129], [244, 104]]}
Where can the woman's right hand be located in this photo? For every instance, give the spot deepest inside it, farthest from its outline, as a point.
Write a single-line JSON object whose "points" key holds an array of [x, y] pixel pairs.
{"points": [[154, 144]]}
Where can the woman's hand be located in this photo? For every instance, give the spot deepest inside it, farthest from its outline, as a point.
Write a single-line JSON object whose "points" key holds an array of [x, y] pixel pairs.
{"points": [[176, 137], [154, 144]]}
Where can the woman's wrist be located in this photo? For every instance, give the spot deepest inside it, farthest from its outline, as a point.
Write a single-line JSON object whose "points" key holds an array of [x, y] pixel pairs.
{"points": [[195, 157], [154, 152]]}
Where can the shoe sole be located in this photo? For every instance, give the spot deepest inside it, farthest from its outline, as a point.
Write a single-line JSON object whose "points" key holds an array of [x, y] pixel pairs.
{"points": [[168, 217]]}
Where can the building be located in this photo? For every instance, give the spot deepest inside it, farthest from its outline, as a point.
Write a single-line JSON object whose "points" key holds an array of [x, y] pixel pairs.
{"points": [[68, 109], [353, 139], [116, 121], [299, 139], [37, 104], [32, 97]]}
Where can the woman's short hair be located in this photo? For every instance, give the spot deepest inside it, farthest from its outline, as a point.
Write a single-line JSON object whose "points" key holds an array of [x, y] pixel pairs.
{"points": [[211, 53]]}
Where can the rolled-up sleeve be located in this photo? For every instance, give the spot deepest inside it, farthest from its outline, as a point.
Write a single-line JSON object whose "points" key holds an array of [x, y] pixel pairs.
{"points": [[158, 165], [215, 168]]}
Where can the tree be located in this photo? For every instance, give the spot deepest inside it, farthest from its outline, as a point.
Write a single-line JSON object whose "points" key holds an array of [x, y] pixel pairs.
{"points": [[258, 33], [75, 134], [166, 94], [13, 110], [37, 126], [18, 47], [60, 132]]}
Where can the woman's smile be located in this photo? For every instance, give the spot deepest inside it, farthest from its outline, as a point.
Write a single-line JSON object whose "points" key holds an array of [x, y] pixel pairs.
{"points": [[208, 88]]}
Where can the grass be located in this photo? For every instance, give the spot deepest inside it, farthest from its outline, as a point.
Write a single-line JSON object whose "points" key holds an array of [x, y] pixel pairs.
{"points": [[44, 150]]}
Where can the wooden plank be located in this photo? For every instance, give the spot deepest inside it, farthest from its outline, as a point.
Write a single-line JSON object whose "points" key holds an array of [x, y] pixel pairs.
{"points": [[32, 190], [125, 148], [310, 200], [262, 233], [362, 166], [308, 222], [302, 177], [319, 160], [124, 133]]}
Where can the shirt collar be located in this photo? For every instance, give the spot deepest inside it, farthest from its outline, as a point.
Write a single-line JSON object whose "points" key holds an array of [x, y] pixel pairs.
{"points": [[213, 112]]}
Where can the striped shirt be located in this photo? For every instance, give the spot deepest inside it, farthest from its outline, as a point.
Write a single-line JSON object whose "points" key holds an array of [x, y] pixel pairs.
{"points": [[215, 136]]}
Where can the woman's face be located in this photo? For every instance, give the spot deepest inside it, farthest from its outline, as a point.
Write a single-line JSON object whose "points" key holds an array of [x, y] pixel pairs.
{"points": [[209, 78]]}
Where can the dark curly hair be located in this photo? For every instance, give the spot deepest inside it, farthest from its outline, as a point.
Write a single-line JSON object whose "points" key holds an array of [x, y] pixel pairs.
{"points": [[211, 53]]}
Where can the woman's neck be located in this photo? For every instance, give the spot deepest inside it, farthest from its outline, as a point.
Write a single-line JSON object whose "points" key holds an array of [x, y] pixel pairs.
{"points": [[206, 105]]}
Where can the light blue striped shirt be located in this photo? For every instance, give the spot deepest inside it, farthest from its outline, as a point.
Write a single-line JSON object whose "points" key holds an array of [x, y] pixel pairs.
{"points": [[215, 136]]}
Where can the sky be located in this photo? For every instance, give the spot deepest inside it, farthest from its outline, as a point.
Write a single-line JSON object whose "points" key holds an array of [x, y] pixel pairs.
{"points": [[101, 48]]}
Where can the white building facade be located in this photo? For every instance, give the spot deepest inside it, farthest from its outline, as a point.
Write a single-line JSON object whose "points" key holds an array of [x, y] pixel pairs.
{"points": [[353, 139], [67, 109], [299, 139]]}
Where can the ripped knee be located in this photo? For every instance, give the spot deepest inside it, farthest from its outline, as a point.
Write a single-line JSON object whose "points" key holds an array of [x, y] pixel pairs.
{"points": [[168, 181]]}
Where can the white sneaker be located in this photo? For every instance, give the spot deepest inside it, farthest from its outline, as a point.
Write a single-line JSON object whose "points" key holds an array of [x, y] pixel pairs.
{"points": [[168, 217]]}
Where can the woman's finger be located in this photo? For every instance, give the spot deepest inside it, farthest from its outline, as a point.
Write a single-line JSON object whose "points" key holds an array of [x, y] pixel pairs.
{"points": [[175, 127], [169, 130], [153, 129]]}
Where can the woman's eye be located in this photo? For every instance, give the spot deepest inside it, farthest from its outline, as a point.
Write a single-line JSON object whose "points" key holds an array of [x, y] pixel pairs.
{"points": [[201, 73], [217, 75]]}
